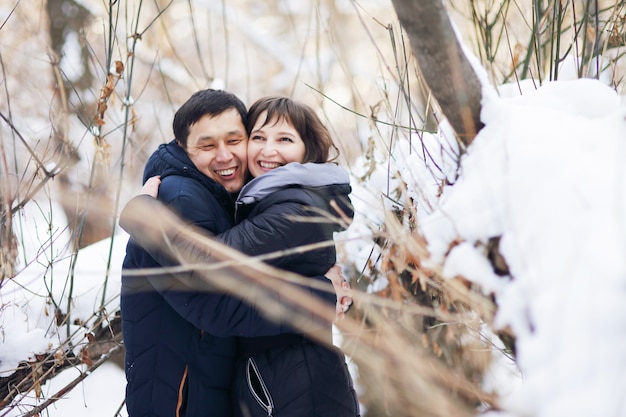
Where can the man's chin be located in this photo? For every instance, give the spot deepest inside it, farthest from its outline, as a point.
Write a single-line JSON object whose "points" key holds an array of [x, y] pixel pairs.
{"points": [[232, 186]]}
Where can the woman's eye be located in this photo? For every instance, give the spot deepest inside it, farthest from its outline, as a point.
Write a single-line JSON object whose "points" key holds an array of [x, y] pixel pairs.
{"points": [[257, 137], [286, 139]]}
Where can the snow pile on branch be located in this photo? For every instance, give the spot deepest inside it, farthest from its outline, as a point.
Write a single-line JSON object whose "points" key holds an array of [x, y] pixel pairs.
{"points": [[547, 174], [546, 179]]}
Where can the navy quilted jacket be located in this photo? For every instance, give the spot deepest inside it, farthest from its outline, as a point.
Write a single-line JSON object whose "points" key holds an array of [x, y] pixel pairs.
{"points": [[173, 368]]}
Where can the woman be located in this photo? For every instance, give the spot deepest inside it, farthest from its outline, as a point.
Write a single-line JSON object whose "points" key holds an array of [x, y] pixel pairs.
{"points": [[287, 150], [290, 374]]}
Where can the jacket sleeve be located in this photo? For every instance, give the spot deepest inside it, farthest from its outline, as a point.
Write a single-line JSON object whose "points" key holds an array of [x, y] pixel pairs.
{"points": [[199, 300], [279, 227], [284, 233]]}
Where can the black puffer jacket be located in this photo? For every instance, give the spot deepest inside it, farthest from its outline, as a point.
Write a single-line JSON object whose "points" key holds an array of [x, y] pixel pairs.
{"points": [[289, 375]]}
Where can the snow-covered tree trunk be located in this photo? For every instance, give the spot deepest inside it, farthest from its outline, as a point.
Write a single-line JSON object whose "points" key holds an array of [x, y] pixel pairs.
{"points": [[443, 64]]}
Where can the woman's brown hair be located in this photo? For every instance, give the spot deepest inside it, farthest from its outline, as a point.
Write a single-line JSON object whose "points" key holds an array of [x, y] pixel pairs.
{"points": [[316, 137]]}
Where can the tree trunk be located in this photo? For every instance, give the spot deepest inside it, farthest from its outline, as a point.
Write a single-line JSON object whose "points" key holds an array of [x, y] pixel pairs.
{"points": [[8, 240], [67, 17], [443, 64]]}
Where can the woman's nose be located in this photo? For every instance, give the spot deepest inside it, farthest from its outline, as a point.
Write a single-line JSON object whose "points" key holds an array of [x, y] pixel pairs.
{"points": [[269, 148]]}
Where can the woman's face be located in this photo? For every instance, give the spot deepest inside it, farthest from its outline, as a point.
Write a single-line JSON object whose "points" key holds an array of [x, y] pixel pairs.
{"points": [[273, 145]]}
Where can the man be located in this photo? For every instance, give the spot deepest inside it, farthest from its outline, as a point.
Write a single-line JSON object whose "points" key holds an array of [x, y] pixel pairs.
{"points": [[173, 368]]}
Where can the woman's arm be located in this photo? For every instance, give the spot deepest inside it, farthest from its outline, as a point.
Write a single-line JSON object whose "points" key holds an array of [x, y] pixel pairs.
{"points": [[198, 299]]}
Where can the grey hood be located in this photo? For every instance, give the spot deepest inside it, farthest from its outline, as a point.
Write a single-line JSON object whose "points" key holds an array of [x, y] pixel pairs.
{"points": [[309, 175]]}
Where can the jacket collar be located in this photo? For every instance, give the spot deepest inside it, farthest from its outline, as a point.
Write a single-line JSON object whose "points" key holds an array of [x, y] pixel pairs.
{"points": [[307, 175]]}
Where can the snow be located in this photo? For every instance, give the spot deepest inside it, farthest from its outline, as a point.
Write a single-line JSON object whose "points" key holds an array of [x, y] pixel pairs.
{"points": [[547, 174], [27, 317]]}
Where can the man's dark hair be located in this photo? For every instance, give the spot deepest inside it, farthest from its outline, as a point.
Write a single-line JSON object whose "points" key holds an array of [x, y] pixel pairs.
{"points": [[201, 103]]}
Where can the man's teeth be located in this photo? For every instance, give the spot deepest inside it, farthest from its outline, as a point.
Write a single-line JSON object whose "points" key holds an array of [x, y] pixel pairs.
{"points": [[225, 172], [269, 165]]}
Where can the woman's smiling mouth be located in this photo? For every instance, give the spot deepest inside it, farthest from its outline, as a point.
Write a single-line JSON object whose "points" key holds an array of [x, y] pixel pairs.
{"points": [[268, 165]]}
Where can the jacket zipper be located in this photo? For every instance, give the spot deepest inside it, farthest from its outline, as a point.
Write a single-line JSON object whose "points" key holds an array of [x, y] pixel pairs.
{"points": [[269, 406]]}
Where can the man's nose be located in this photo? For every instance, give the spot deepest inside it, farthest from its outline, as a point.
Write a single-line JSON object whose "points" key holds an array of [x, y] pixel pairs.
{"points": [[223, 153]]}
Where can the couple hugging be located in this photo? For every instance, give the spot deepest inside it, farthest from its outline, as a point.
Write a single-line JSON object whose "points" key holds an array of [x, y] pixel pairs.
{"points": [[248, 178]]}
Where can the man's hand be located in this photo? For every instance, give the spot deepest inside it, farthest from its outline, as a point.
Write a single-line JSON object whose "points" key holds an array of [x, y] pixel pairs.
{"points": [[342, 290]]}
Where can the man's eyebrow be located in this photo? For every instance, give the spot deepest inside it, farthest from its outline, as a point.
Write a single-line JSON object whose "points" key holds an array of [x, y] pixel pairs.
{"points": [[205, 138], [209, 137]]}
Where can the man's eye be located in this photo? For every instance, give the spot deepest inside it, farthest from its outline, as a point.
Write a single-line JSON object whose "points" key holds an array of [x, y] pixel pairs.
{"points": [[207, 147], [236, 141]]}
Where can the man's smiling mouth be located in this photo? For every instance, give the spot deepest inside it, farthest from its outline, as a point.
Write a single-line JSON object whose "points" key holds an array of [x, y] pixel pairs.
{"points": [[225, 172]]}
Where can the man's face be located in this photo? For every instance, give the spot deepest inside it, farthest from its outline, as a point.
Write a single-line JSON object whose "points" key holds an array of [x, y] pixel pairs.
{"points": [[217, 147]]}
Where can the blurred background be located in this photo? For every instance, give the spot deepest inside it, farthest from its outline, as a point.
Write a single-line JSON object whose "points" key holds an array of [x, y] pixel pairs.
{"points": [[88, 90]]}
